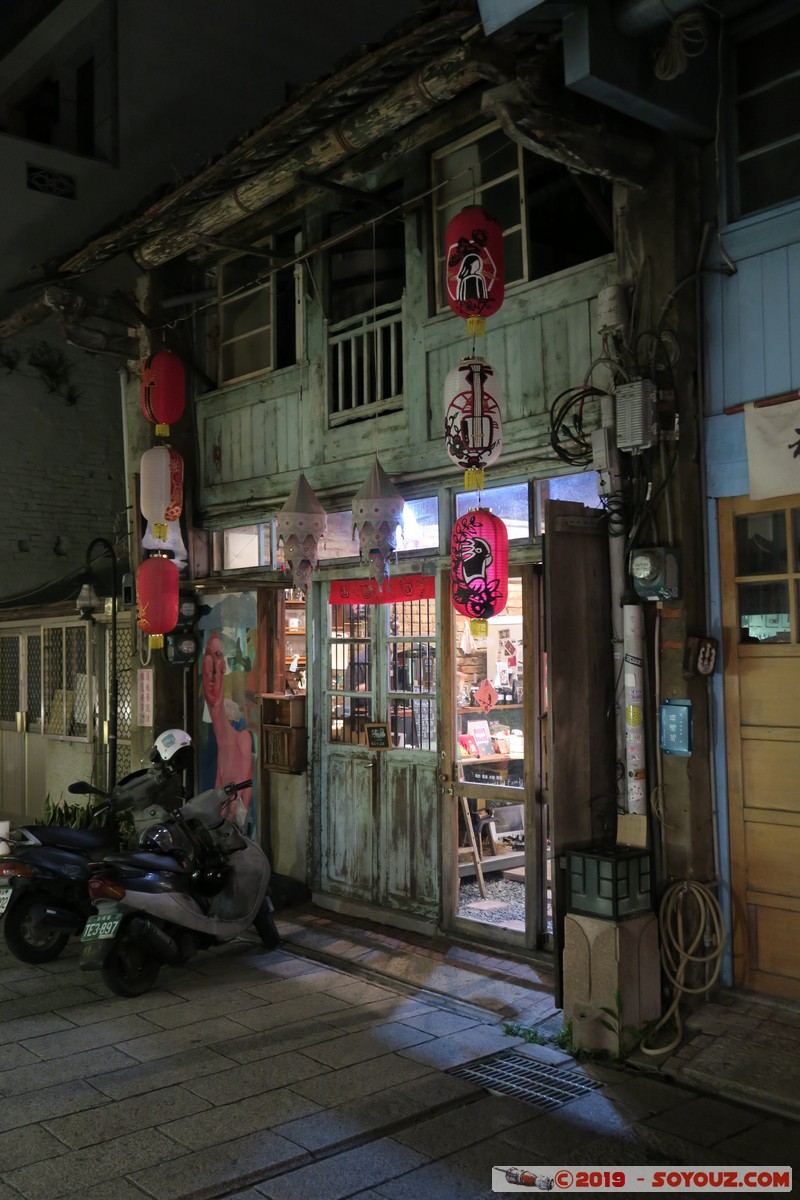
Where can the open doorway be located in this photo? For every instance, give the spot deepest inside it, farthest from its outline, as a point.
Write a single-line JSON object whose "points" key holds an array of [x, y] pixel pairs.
{"points": [[498, 770]]}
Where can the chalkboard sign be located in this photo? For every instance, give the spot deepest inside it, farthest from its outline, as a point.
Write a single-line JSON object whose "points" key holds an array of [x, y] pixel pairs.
{"points": [[378, 737], [424, 724]]}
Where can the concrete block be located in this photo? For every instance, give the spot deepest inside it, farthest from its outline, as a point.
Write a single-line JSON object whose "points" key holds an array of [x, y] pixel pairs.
{"points": [[602, 958]]}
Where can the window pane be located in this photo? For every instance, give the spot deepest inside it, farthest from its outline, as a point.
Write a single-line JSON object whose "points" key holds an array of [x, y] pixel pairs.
{"points": [[510, 503], [582, 489], [501, 201], [245, 546], [351, 672], [764, 612], [419, 529], [34, 706], [242, 272], [77, 682], [767, 55], [246, 356], [243, 315], [761, 544]]}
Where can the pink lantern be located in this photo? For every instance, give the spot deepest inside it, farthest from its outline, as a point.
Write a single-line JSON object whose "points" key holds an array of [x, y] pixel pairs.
{"points": [[475, 274], [157, 585], [161, 488], [377, 511], [472, 423], [479, 565], [301, 523]]}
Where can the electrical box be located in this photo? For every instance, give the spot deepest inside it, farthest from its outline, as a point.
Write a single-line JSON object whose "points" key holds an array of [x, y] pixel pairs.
{"points": [[675, 727], [611, 882], [655, 573], [635, 415]]}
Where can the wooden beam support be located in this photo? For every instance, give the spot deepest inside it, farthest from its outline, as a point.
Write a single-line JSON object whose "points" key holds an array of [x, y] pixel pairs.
{"points": [[577, 135]]}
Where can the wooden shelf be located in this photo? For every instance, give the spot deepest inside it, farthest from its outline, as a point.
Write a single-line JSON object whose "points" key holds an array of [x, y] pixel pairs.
{"points": [[476, 709]]}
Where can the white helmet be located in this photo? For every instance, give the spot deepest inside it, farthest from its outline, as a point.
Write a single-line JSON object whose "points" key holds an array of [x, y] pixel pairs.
{"points": [[173, 747]]}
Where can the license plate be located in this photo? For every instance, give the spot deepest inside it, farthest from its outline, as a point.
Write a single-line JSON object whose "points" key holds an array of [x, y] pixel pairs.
{"points": [[101, 926], [5, 896]]}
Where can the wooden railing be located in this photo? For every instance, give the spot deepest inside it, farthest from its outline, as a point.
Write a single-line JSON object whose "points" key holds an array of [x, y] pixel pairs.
{"points": [[366, 357]]}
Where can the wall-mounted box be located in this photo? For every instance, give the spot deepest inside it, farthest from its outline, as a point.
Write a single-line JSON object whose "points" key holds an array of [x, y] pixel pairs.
{"points": [[279, 708], [675, 727], [284, 748], [611, 882]]}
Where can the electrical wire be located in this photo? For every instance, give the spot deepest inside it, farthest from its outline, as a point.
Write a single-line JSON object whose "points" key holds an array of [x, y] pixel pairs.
{"points": [[679, 950], [570, 442], [687, 38]]}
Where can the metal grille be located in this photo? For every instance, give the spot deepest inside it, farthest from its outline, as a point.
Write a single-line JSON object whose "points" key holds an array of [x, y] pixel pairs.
{"points": [[53, 183], [539, 1084], [123, 759], [9, 677], [34, 677], [412, 674], [124, 684], [65, 681]]}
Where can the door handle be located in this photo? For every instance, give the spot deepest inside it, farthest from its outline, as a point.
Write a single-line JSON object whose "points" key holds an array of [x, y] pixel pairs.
{"points": [[22, 722]]}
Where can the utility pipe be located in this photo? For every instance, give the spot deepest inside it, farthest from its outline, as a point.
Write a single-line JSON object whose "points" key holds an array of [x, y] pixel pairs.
{"points": [[635, 772]]}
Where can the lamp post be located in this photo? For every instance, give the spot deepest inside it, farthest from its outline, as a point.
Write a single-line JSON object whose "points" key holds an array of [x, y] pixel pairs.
{"points": [[87, 602]]}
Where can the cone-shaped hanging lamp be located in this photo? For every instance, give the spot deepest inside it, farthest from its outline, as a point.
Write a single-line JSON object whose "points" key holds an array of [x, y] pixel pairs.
{"points": [[377, 511], [300, 524]]}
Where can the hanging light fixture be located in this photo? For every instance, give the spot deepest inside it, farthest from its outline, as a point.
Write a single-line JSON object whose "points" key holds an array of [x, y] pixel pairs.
{"points": [[479, 567], [157, 598], [377, 511], [161, 488], [300, 525], [473, 431], [163, 390], [474, 270]]}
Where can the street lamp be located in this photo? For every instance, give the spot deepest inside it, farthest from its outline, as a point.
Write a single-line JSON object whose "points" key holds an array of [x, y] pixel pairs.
{"points": [[88, 603]]}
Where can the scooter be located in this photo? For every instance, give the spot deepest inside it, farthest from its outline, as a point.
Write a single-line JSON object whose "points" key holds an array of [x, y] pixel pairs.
{"points": [[196, 882], [44, 877]]}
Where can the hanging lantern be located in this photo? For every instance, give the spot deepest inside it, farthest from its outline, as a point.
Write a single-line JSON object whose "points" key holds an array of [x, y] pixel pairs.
{"points": [[472, 423], [474, 273], [157, 598], [479, 567], [377, 511], [301, 523], [161, 488], [163, 390]]}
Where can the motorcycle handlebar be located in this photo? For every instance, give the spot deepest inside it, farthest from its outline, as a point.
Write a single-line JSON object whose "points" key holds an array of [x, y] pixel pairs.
{"points": [[230, 789]]}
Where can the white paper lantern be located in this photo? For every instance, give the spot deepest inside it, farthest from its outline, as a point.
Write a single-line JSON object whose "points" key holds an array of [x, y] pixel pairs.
{"points": [[300, 524], [161, 488], [473, 429], [377, 511]]}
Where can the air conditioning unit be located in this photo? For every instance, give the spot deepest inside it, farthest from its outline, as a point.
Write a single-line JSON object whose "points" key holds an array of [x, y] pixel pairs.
{"points": [[635, 415]]}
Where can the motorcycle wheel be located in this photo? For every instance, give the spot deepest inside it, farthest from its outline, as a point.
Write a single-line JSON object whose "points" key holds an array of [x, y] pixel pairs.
{"points": [[129, 970], [265, 926], [26, 939]]}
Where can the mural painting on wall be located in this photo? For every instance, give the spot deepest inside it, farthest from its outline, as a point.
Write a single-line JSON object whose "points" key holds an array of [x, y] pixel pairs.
{"points": [[230, 698]]}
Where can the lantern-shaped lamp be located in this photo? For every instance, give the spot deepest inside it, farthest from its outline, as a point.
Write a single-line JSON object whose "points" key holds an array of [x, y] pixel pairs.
{"points": [[479, 567], [377, 511], [472, 424], [157, 598], [163, 390], [301, 523], [474, 272], [161, 488]]}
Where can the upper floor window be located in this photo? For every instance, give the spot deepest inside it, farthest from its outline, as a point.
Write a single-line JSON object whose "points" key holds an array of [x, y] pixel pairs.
{"points": [[257, 311], [366, 275], [767, 117], [551, 218]]}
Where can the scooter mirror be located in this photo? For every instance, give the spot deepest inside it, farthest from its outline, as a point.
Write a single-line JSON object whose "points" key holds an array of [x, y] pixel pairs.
{"points": [[82, 788]]}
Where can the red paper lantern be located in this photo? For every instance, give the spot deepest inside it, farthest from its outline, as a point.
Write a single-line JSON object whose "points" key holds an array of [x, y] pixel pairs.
{"points": [[472, 424], [157, 598], [475, 277], [479, 565], [163, 390], [161, 488]]}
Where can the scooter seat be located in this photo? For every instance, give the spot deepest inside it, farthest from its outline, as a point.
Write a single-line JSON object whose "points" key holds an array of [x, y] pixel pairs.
{"points": [[72, 839], [150, 862]]}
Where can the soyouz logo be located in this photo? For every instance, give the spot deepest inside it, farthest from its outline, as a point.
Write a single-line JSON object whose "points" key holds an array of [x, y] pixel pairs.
{"points": [[642, 1179]]}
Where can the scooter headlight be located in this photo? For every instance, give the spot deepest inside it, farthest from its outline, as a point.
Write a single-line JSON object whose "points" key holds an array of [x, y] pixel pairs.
{"points": [[158, 839]]}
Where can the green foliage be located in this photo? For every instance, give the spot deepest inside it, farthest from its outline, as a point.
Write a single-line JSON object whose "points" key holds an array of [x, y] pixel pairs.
{"points": [[527, 1032], [614, 1021], [72, 816]]}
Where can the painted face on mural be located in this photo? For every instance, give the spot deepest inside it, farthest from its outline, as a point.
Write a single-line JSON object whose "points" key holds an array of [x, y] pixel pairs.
{"points": [[214, 670]]}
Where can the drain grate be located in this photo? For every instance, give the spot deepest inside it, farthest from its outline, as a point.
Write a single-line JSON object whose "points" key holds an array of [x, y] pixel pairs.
{"points": [[539, 1084]]}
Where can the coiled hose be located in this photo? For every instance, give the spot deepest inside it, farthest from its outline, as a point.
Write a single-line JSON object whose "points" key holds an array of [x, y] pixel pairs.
{"points": [[695, 906]]}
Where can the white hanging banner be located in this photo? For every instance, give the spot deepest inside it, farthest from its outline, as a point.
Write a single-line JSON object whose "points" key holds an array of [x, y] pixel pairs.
{"points": [[144, 697], [772, 433]]}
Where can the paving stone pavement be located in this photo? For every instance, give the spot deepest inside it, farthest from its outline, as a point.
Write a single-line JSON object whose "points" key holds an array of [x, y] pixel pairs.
{"points": [[321, 1070]]}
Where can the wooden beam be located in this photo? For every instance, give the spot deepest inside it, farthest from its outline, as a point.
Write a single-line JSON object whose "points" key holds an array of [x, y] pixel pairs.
{"points": [[576, 135], [24, 317]]}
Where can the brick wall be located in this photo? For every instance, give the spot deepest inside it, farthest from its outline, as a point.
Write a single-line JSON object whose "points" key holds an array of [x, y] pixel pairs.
{"points": [[62, 479]]}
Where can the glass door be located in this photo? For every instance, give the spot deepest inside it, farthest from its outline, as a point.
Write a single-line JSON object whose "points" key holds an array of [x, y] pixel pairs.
{"points": [[497, 771]]}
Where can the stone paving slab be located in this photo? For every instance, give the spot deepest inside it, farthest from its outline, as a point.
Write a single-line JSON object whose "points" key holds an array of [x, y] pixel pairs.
{"points": [[250, 1079], [218, 1169], [358, 1047], [70, 1171], [335, 1178], [132, 1078], [115, 1119], [33, 1077], [75, 1096], [268, 1110]]}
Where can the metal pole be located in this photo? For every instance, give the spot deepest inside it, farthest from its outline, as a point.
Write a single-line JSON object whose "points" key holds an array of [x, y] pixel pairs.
{"points": [[112, 683]]}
